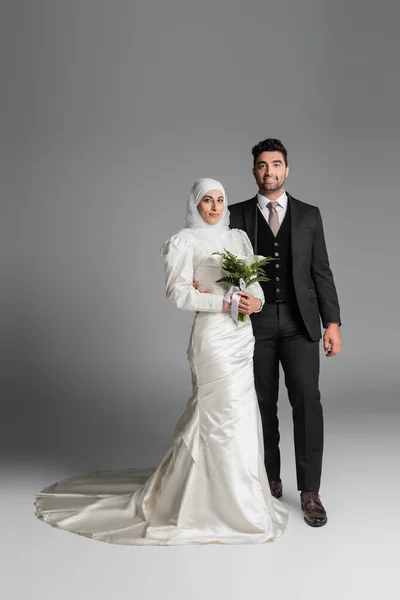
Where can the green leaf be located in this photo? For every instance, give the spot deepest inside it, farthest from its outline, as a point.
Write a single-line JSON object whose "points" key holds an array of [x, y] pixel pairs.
{"points": [[237, 269]]}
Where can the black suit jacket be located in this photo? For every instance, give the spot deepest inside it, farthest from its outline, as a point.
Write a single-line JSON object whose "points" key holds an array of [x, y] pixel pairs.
{"points": [[313, 281]]}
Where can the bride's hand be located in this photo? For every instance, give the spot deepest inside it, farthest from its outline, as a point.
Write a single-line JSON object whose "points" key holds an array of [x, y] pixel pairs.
{"points": [[248, 304]]}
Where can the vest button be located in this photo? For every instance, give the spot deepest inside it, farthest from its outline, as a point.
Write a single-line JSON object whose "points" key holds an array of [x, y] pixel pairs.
{"points": [[276, 266], [276, 253], [277, 290], [276, 244], [276, 278]]}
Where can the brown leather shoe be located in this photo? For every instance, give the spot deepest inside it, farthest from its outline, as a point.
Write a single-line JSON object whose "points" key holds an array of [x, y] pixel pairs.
{"points": [[276, 488], [314, 512]]}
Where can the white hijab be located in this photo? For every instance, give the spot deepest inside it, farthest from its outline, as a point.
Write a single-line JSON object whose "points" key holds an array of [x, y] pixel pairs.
{"points": [[193, 219]]}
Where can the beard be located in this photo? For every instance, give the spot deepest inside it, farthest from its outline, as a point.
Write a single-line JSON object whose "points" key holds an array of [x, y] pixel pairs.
{"points": [[272, 186]]}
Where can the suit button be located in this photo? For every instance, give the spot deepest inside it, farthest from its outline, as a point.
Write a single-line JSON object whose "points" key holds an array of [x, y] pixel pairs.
{"points": [[276, 266]]}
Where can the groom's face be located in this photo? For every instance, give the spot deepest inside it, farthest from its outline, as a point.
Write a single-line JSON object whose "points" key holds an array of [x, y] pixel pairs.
{"points": [[270, 172]]}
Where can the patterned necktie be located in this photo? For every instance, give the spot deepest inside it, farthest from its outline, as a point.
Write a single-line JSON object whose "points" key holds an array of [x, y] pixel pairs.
{"points": [[273, 220]]}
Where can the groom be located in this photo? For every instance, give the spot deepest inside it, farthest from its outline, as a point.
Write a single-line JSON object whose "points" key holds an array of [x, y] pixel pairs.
{"points": [[301, 291]]}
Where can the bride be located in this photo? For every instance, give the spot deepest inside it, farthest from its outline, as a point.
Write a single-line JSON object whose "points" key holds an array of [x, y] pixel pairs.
{"points": [[211, 486]]}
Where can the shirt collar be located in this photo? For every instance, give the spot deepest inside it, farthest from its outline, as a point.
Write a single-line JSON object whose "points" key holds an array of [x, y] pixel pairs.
{"points": [[263, 201]]}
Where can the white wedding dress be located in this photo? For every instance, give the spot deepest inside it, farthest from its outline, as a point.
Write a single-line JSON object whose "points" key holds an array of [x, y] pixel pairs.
{"points": [[211, 486]]}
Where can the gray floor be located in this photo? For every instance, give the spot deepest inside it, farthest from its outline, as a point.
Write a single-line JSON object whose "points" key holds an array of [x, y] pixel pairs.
{"points": [[354, 557]]}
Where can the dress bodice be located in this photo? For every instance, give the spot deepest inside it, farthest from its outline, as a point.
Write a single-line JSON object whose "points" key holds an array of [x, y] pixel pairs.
{"points": [[208, 271]]}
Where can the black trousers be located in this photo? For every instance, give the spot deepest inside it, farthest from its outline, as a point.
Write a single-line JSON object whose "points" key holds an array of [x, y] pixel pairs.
{"points": [[281, 337]]}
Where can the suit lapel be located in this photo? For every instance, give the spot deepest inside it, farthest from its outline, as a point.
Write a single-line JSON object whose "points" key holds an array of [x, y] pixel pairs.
{"points": [[295, 226]]}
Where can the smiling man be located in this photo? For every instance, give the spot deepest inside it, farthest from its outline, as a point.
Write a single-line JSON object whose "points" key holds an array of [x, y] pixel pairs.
{"points": [[301, 292]]}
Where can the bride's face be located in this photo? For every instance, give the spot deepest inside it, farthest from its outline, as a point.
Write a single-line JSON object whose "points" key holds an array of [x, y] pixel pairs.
{"points": [[211, 206]]}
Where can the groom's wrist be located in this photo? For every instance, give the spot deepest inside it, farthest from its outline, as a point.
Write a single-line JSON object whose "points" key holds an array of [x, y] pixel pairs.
{"points": [[261, 305]]}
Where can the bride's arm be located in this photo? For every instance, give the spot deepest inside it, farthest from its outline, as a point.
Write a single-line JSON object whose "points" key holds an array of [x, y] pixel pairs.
{"points": [[177, 256]]}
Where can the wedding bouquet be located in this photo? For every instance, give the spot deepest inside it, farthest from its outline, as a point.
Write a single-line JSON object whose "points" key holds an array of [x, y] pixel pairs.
{"points": [[241, 274]]}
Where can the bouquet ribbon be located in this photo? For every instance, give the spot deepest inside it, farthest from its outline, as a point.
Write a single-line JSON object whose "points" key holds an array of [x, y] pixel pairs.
{"points": [[234, 302]]}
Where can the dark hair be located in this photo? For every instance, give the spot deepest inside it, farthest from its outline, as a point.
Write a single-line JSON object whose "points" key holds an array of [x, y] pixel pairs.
{"points": [[269, 145]]}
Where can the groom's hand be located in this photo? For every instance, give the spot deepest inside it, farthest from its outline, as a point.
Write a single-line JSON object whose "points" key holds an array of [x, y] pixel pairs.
{"points": [[248, 304], [196, 285], [332, 340]]}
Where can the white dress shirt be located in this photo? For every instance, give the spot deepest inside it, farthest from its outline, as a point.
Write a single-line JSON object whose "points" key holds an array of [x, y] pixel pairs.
{"points": [[281, 207]]}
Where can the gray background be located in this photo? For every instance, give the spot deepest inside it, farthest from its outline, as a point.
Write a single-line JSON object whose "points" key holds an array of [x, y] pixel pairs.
{"points": [[109, 111]]}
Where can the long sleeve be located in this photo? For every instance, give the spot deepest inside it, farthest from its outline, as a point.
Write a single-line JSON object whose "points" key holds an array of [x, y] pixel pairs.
{"points": [[177, 256], [254, 289], [323, 278]]}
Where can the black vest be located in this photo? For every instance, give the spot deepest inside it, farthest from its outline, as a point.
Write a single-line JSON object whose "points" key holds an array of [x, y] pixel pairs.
{"points": [[280, 288]]}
